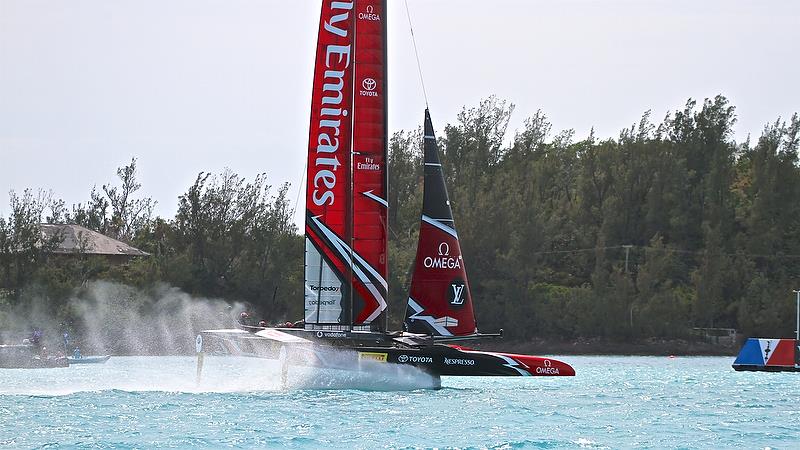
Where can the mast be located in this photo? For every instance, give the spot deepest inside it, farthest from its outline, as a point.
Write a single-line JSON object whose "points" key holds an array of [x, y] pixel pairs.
{"points": [[351, 189], [384, 26]]}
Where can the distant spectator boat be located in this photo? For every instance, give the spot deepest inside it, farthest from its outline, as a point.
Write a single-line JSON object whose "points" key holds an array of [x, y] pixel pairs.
{"points": [[24, 356], [89, 359], [768, 355], [771, 355]]}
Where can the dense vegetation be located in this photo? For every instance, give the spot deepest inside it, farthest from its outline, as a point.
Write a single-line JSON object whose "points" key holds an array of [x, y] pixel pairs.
{"points": [[670, 226]]}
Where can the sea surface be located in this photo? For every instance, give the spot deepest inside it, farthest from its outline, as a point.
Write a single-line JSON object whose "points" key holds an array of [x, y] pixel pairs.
{"points": [[613, 402]]}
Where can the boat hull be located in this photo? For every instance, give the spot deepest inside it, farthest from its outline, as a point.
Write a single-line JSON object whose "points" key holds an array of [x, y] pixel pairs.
{"points": [[446, 360], [89, 359], [350, 351], [26, 357]]}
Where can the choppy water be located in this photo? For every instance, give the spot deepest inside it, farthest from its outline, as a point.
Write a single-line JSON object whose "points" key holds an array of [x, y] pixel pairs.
{"points": [[614, 402]]}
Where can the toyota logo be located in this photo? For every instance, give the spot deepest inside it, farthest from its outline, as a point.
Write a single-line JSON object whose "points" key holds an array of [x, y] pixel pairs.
{"points": [[402, 358], [368, 84]]}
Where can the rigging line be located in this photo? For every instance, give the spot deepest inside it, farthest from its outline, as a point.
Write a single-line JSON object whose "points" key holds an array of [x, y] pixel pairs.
{"points": [[300, 188], [673, 250], [416, 53], [703, 253], [577, 250]]}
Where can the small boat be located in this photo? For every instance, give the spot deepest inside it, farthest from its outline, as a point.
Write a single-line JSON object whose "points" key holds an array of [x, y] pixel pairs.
{"points": [[24, 356], [346, 244], [89, 359]]}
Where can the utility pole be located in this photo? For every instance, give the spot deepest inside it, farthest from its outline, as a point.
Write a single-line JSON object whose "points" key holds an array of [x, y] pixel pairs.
{"points": [[627, 250], [797, 330]]}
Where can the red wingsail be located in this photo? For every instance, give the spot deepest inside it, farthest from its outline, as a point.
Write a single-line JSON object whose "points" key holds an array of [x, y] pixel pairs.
{"points": [[439, 301], [345, 268], [328, 181], [370, 230]]}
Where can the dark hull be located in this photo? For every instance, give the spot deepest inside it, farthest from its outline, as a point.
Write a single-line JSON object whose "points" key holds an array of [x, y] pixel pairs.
{"points": [[90, 360], [351, 350], [754, 368], [445, 360]]}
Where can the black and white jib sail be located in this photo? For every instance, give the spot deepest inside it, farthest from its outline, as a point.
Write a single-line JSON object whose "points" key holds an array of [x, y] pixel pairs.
{"points": [[439, 301]]}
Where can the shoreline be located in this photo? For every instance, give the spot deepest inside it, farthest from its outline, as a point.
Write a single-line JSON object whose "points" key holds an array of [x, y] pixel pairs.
{"points": [[606, 347]]}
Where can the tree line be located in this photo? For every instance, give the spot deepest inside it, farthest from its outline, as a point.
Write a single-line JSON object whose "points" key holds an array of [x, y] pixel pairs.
{"points": [[669, 226]]}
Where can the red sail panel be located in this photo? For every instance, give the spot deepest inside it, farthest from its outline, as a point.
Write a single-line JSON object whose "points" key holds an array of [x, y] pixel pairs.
{"points": [[329, 160], [370, 230], [782, 353], [439, 301]]}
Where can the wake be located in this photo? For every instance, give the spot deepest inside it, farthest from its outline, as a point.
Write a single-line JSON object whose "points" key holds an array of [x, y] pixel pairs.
{"points": [[221, 374]]}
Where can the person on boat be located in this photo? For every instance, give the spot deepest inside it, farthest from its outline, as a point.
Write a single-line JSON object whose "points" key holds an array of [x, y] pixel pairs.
{"points": [[244, 319], [299, 324], [76, 353], [263, 324], [36, 337]]}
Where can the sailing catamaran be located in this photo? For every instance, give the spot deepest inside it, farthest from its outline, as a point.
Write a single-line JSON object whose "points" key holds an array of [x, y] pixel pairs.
{"points": [[346, 232]]}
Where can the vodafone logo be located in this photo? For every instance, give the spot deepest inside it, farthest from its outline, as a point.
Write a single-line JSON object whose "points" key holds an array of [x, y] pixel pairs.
{"points": [[368, 86], [331, 334]]}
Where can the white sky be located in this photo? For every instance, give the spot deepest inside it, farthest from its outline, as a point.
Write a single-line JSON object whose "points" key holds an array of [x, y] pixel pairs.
{"points": [[199, 85]]}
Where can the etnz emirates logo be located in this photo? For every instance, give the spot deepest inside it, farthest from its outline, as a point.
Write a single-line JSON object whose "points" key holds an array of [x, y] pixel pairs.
{"points": [[337, 62]]}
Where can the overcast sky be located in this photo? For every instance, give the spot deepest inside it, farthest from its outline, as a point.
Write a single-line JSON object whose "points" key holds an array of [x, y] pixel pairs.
{"points": [[199, 85]]}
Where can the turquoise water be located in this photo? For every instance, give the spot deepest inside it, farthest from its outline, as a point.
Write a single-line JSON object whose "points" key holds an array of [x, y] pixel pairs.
{"points": [[614, 402]]}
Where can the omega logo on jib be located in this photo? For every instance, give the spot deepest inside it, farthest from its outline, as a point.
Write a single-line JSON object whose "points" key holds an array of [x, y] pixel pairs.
{"points": [[443, 260]]}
